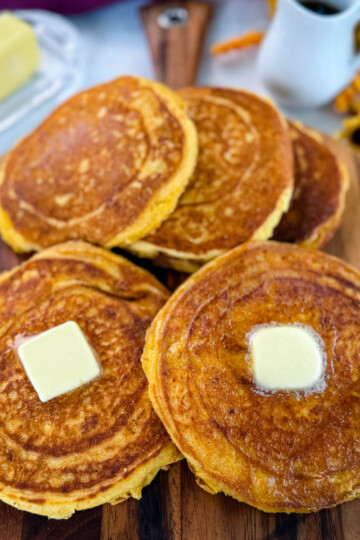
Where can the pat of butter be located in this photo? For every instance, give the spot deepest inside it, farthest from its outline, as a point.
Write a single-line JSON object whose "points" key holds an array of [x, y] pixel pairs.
{"points": [[19, 53], [58, 360], [285, 357]]}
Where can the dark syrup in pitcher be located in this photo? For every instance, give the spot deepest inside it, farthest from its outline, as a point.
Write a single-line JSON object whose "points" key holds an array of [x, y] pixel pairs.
{"points": [[321, 8]]}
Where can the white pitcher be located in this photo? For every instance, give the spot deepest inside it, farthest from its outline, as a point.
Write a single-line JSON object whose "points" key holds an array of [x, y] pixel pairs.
{"points": [[306, 58]]}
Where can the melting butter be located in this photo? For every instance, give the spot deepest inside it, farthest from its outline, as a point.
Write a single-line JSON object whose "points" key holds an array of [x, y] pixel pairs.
{"points": [[286, 357]]}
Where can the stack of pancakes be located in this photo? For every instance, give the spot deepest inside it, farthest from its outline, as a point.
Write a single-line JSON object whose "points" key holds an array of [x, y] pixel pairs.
{"points": [[281, 451], [181, 178], [101, 442]]}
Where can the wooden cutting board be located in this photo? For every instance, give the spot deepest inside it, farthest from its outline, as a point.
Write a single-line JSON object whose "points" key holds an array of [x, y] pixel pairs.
{"points": [[173, 507]]}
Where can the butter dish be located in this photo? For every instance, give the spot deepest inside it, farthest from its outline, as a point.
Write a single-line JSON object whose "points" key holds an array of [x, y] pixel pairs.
{"points": [[59, 72]]}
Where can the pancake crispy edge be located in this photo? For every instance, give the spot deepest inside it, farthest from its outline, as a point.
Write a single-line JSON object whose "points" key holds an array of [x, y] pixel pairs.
{"points": [[54, 503], [329, 209], [118, 494], [182, 262], [158, 393], [188, 261], [160, 205]]}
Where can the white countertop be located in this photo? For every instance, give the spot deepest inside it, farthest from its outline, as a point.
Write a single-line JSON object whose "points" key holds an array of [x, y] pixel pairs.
{"points": [[114, 44]]}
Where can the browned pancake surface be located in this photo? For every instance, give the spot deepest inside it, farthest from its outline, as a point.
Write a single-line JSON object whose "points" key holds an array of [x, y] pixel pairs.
{"points": [[318, 198], [102, 440], [243, 175], [92, 168], [281, 451]]}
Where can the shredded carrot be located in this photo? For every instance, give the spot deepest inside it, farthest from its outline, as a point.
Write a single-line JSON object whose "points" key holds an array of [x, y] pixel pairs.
{"points": [[356, 82], [348, 100], [272, 7], [343, 103], [250, 38]]}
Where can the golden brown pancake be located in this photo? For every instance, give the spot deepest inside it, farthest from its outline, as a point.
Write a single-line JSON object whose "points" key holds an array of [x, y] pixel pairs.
{"points": [[103, 441], [107, 166], [241, 185], [282, 451], [318, 200]]}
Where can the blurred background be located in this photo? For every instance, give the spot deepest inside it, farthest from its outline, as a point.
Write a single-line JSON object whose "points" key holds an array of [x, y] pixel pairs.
{"points": [[109, 41]]}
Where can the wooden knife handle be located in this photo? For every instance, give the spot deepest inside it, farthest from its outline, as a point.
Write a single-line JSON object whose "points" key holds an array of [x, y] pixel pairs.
{"points": [[175, 32]]}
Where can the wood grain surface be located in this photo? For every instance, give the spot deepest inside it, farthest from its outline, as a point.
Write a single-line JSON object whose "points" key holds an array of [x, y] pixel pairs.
{"points": [[176, 50], [173, 507]]}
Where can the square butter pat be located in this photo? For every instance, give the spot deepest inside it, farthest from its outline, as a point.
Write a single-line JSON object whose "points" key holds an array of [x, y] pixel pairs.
{"points": [[58, 360], [285, 358]]}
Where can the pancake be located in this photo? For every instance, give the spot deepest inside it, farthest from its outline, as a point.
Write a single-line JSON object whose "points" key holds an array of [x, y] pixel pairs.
{"points": [[103, 441], [318, 201], [108, 166], [278, 451], [241, 185]]}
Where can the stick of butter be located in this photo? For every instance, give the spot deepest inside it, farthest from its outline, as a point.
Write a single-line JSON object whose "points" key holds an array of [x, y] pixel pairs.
{"points": [[19, 54]]}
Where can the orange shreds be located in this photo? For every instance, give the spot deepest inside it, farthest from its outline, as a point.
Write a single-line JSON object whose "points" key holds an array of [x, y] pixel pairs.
{"points": [[348, 99], [250, 38], [343, 102], [356, 82], [272, 6]]}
